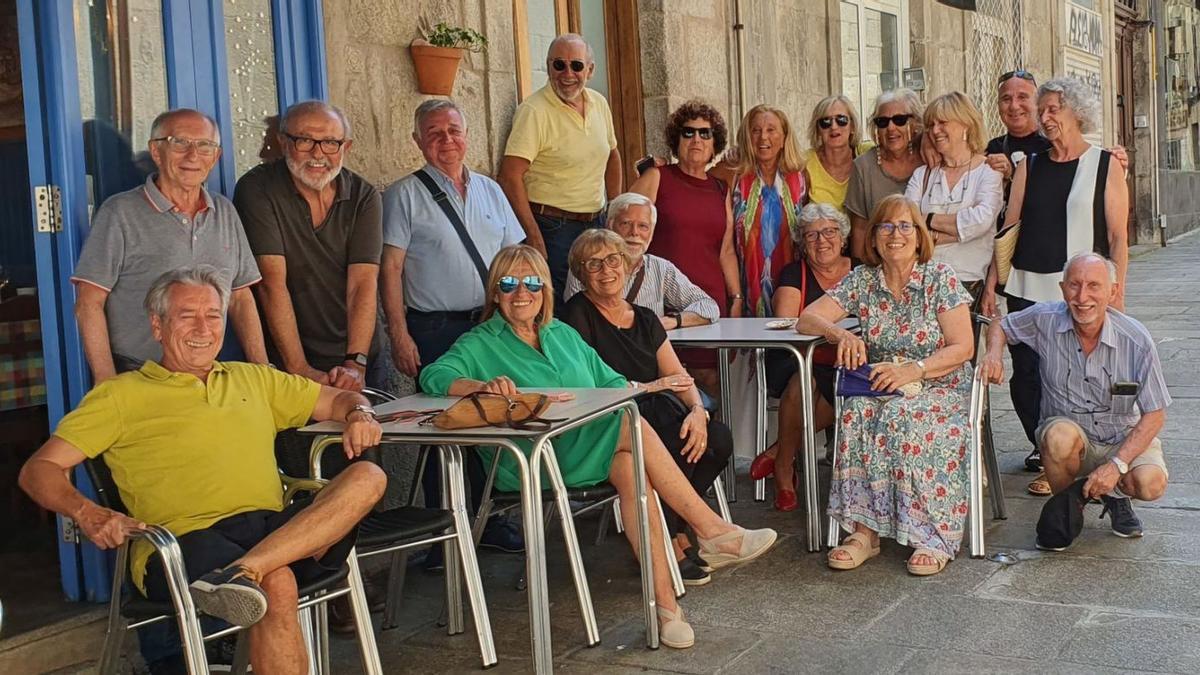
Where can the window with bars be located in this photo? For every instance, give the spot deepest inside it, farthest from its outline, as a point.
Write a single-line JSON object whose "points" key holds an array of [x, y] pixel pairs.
{"points": [[995, 48]]}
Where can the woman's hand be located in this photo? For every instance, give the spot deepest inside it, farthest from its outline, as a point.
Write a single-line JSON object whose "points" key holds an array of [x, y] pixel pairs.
{"points": [[500, 385], [851, 350], [891, 376], [679, 383], [695, 430]]}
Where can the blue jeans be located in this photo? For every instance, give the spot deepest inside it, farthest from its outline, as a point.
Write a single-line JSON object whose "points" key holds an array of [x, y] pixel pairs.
{"points": [[559, 234]]}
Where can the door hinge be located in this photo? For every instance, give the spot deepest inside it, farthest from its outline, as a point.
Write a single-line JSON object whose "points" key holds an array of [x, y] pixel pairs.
{"points": [[48, 205], [70, 532]]}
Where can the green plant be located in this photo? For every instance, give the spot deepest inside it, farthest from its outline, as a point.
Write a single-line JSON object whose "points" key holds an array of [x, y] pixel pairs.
{"points": [[445, 35]]}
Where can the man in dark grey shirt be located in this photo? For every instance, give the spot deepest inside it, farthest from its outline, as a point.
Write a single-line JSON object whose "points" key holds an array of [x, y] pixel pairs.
{"points": [[170, 222], [316, 230]]}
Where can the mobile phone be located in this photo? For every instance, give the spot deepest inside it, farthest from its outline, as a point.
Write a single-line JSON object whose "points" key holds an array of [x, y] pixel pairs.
{"points": [[643, 165], [1124, 389]]}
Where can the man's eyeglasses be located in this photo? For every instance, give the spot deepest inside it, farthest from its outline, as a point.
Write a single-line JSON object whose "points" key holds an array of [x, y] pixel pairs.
{"points": [[181, 146], [508, 284], [840, 120], [826, 233], [561, 65], [888, 228], [1023, 74], [611, 261], [328, 145], [1080, 410], [689, 132], [900, 120]]}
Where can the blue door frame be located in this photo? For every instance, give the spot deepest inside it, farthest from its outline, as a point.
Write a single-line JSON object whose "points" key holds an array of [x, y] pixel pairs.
{"points": [[197, 77]]}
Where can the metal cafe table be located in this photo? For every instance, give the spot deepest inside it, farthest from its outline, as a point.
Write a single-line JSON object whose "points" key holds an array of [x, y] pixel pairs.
{"points": [[587, 405], [753, 333]]}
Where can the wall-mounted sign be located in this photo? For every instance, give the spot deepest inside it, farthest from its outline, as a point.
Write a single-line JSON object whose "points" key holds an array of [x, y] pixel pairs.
{"points": [[1085, 30], [914, 78]]}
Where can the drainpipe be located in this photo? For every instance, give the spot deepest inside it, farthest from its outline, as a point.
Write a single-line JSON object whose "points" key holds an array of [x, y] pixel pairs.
{"points": [[1152, 43], [739, 56]]}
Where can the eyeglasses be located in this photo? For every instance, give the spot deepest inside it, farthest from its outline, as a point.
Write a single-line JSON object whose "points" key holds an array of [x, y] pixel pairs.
{"points": [[841, 120], [561, 65], [881, 122], [1080, 410], [826, 233], [888, 228], [181, 146], [688, 132], [508, 284], [1023, 74], [328, 145], [611, 261]]}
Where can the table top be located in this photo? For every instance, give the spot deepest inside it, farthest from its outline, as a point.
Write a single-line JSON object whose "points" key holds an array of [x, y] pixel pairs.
{"points": [[745, 330], [586, 402]]}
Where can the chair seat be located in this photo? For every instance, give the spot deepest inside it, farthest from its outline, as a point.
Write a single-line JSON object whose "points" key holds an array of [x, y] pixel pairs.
{"points": [[137, 607], [591, 493], [386, 528]]}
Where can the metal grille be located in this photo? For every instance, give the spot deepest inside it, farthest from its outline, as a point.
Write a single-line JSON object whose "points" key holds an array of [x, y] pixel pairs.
{"points": [[997, 47]]}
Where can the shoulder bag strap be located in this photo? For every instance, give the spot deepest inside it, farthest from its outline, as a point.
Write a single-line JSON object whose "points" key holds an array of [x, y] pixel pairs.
{"points": [[637, 283], [443, 201]]}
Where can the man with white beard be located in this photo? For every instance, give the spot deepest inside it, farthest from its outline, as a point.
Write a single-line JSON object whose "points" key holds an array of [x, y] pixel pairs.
{"points": [[316, 230]]}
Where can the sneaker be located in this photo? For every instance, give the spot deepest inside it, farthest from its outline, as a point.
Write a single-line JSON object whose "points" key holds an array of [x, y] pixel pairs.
{"points": [[692, 574], [230, 595], [1033, 461], [503, 535], [694, 553], [1124, 521]]}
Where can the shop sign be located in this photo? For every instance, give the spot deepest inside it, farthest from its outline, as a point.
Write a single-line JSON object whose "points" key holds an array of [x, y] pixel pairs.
{"points": [[1085, 30]]}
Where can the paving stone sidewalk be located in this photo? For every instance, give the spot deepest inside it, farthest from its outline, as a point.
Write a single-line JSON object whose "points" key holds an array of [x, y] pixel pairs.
{"points": [[1108, 605]]}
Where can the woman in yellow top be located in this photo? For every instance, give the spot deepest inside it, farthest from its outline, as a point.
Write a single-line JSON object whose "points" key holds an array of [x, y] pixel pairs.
{"points": [[835, 136]]}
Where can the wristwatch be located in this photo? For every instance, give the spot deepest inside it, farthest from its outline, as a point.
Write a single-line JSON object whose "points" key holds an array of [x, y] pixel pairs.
{"points": [[1121, 465], [362, 409], [678, 319], [921, 365], [357, 358], [707, 416]]}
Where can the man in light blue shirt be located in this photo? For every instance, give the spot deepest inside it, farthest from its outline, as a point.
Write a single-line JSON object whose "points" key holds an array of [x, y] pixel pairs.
{"points": [[432, 288]]}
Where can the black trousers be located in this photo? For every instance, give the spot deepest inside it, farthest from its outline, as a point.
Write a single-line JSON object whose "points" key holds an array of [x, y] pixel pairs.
{"points": [[1026, 384], [665, 414]]}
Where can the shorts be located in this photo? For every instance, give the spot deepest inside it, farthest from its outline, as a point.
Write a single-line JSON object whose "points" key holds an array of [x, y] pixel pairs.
{"points": [[1096, 454], [781, 366], [230, 538]]}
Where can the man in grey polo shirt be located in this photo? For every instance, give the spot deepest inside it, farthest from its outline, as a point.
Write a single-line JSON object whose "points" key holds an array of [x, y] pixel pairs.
{"points": [[1104, 398], [170, 222]]}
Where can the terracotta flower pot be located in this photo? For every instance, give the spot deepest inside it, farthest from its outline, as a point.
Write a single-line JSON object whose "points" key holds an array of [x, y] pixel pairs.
{"points": [[436, 68]]}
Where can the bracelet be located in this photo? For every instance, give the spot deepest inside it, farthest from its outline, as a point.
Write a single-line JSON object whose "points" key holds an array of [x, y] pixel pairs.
{"points": [[736, 296]]}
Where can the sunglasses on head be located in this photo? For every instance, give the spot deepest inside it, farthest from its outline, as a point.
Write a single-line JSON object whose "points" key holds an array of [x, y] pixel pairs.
{"points": [[508, 284], [688, 132], [828, 122], [888, 228], [900, 120], [561, 65], [1023, 74]]}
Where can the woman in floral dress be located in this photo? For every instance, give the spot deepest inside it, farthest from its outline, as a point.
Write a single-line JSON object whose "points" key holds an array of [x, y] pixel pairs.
{"points": [[901, 463]]}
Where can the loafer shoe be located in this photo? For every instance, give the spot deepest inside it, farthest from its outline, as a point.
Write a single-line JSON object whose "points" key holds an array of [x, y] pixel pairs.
{"points": [[785, 500], [230, 594], [762, 466], [753, 544], [673, 630], [694, 553], [1124, 521], [692, 574]]}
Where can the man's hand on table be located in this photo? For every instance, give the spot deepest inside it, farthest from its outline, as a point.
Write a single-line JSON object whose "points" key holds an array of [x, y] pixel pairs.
{"points": [[362, 432]]}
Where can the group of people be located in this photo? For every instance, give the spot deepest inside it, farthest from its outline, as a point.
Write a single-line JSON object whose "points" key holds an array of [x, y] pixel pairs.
{"points": [[555, 276]]}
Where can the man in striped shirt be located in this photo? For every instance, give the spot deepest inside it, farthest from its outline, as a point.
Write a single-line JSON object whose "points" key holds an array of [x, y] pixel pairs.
{"points": [[1104, 398]]}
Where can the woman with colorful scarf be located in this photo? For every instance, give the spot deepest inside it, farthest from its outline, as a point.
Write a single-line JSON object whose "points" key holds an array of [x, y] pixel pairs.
{"points": [[766, 196]]}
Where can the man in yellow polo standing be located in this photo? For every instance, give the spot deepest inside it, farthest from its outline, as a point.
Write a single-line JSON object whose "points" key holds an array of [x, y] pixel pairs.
{"points": [[561, 164]]}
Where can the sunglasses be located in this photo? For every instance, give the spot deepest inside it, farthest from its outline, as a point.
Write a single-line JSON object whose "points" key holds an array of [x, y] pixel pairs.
{"points": [[881, 122], [611, 261], [1023, 74], [508, 284], [688, 132], [888, 228], [561, 65], [828, 122]]}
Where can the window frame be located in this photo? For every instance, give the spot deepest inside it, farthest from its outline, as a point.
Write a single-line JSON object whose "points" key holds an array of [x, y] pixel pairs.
{"points": [[897, 8]]}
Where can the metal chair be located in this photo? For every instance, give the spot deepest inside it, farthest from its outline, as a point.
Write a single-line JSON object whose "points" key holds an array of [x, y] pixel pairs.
{"points": [[129, 612], [982, 454]]}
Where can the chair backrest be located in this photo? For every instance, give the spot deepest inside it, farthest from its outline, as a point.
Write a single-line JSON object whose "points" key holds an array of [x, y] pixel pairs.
{"points": [[106, 488], [377, 396]]}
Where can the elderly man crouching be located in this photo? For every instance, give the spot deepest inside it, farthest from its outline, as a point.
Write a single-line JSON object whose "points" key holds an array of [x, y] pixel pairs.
{"points": [[190, 445], [1104, 398]]}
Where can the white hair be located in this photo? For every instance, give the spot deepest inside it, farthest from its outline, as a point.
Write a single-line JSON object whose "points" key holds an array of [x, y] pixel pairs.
{"points": [[623, 201], [1089, 255], [314, 106], [1078, 97], [815, 211], [431, 106], [571, 37], [158, 302], [156, 127]]}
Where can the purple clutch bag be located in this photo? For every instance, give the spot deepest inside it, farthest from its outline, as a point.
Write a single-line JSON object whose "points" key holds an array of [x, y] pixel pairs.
{"points": [[857, 382]]}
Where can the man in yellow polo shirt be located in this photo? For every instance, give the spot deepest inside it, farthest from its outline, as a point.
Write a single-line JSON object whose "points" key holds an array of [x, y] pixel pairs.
{"points": [[561, 163], [190, 443]]}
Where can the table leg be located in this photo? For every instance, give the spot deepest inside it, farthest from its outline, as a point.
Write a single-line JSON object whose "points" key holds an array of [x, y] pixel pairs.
{"points": [[453, 573], [466, 551], [642, 504], [760, 416], [574, 555], [727, 417], [811, 500]]}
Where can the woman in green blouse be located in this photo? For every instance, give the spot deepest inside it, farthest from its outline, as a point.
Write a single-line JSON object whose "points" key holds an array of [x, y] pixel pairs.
{"points": [[520, 344]]}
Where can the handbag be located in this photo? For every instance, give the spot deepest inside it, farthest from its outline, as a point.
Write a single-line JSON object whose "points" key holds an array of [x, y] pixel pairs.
{"points": [[522, 412], [1006, 245], [857, 382]]}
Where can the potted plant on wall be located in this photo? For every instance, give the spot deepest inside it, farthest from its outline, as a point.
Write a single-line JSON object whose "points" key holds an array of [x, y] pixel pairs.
{"points": [[437, 53]]}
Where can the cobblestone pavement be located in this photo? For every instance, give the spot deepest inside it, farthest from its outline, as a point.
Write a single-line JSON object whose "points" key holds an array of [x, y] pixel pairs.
{"points": [[1107, 605]]}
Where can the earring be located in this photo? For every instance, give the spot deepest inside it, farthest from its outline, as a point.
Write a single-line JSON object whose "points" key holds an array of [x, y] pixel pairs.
{"points": [[964, 137]]}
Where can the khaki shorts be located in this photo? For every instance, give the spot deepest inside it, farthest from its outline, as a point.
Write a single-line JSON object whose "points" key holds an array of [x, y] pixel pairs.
{"points": [[1095, 454]]}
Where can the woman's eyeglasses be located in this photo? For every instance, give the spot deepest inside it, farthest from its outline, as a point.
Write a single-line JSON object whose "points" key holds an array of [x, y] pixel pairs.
{"points": [[1023, 74], [561, 65], [828, 122], [181, 146], [826, 233], [508, 284], [611, 261], [882, 121], [689, 132], [888, 228]]}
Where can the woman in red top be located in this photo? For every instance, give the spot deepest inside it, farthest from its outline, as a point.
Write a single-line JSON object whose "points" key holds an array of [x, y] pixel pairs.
{"points": [[695, 225]]}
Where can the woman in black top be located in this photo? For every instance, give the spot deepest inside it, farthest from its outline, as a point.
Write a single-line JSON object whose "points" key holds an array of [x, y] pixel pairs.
{"points": [[632, 340], [822, 238]]}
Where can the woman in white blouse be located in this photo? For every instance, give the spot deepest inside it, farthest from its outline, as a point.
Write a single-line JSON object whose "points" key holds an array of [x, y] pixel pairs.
{"points": [[960, 199]]}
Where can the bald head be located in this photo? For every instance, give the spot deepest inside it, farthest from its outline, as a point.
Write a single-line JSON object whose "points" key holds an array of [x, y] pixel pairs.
{"points": [[1088, 287], [1081, 261], [567, 41]]}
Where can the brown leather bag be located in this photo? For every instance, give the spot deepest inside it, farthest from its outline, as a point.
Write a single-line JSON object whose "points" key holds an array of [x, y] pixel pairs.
{"points": [[485, 409]]}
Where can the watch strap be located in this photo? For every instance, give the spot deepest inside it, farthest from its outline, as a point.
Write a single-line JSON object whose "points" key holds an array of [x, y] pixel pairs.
{"points": [[358, 358]]}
